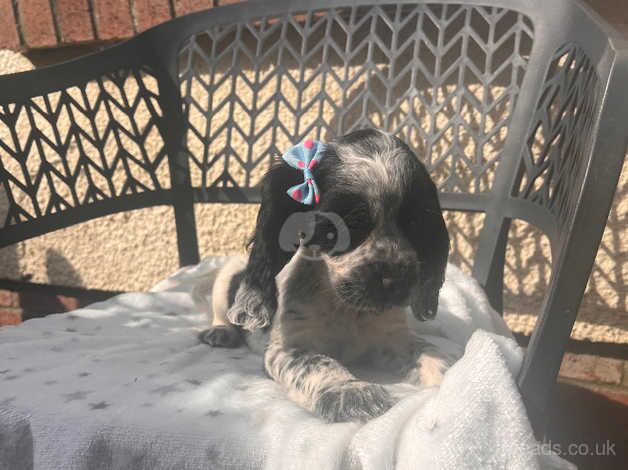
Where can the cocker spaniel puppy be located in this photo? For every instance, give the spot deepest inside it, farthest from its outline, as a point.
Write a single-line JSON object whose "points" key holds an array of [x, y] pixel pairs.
{"points": [[359, 243]]}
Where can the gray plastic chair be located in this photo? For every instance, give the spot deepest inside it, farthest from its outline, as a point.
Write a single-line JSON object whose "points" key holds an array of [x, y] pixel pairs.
{"points": [[518, 108]]}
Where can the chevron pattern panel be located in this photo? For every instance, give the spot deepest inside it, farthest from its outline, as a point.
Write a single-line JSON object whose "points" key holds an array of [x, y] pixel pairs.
{"points": [[558, 145], [443, 77], [76, 146]]}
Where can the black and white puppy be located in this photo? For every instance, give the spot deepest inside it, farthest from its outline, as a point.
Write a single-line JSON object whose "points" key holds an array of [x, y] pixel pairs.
{"points": [[379, 244]]}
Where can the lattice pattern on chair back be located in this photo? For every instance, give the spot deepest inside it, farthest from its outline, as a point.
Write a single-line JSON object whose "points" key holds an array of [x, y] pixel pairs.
{"points": [[91, 142], [558, 148], [443, 77]]}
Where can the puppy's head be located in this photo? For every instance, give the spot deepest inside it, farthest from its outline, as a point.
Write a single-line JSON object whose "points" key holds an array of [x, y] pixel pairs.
{"points": [[378, 226]]}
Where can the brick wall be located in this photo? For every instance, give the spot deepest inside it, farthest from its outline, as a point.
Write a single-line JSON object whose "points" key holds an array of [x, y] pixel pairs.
{"points": [[10, 311], [27, 301], [36, 24]]}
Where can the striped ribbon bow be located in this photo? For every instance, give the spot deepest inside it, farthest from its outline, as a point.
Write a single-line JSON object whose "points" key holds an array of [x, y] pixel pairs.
{"points": [[305, 156]]}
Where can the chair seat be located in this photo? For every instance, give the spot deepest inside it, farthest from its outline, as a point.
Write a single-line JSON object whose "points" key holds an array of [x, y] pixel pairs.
{"points": [[126, 384]]}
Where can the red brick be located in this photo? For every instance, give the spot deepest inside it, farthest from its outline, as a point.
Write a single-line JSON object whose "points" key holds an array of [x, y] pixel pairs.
{"points": [[578, 367], [590, 368], [150, 13], [9, 38], [183, 7], [221, 3], [113, 19], [9, 298], [36, 23], [608, 370], [73, 17], [69, 303], [12, 316]]}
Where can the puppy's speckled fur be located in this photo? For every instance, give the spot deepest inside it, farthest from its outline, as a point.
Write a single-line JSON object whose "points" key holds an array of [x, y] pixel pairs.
{"points": [[318, 343], [346, 309]]}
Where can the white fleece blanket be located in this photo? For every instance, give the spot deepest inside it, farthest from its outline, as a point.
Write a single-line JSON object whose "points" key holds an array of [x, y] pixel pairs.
{"points": [[125, 384]]}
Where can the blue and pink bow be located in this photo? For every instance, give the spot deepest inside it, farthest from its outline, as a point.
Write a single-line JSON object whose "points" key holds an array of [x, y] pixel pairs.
{"points": [[305, 156]]}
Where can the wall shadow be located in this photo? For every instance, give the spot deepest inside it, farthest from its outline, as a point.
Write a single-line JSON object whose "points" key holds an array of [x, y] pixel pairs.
{"points": [[9, 260]]}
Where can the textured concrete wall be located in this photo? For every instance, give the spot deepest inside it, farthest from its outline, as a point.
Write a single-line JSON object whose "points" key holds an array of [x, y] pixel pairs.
{"points": [[133, 250]]}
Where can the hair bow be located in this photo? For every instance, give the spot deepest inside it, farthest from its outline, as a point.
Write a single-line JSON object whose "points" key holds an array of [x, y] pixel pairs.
{"points": [[305, 156]]}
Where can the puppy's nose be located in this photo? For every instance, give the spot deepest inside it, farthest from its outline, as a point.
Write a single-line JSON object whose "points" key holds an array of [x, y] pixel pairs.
{"points": [[392, 286]]}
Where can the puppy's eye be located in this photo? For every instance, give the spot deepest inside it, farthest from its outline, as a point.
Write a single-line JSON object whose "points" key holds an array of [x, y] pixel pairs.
{"points": [[355, 213]]}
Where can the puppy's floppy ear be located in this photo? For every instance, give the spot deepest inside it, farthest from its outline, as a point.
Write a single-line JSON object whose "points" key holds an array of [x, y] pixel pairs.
{"points": [[256, 299], [429, 237], [267, 257], [433, 251]]}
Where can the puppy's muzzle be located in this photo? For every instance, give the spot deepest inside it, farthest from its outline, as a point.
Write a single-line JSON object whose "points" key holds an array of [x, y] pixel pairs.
{"points": [[391, 282], [380, 284]]}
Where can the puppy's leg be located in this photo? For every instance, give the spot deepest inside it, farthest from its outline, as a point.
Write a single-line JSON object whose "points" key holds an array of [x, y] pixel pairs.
{"points": [[250, 309], [322, 385], [428, 364], [395, 349], [222, 333], [315, 380]]}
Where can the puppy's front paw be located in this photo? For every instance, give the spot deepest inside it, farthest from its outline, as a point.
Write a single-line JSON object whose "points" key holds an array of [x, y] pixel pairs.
{"points": [[249, 310], [221, 337], [351, 401], [431, 369]]}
